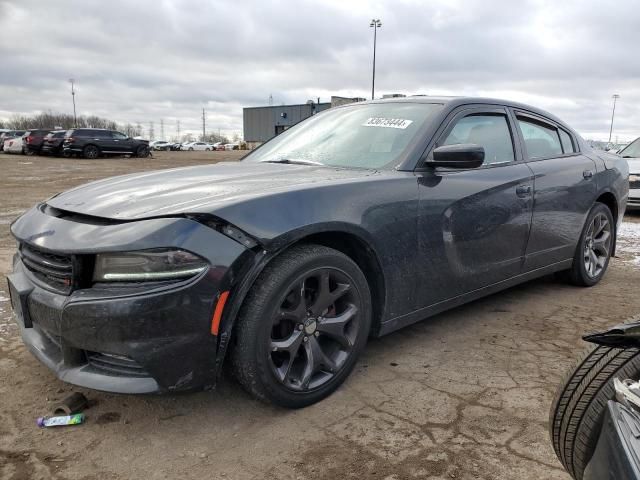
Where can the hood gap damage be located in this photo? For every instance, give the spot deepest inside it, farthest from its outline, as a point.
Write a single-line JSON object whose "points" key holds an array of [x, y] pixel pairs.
{"points": [[205, 219]]}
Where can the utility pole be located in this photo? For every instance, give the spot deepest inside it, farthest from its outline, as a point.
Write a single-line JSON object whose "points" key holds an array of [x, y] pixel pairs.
{"points": [[203, 125], [615, 98], [73, 98], [178, 130], [376, 24], [161, 129], [151, 132]]}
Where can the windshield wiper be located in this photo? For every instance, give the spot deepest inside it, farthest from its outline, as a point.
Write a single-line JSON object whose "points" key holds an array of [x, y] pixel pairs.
{"points": [[293, 161]]}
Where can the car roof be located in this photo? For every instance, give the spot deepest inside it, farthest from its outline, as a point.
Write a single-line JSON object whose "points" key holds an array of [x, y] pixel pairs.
{"points": [[452, 102]]}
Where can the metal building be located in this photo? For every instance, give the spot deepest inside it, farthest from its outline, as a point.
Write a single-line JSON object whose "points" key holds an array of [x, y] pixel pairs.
{"points": [[263, 123]]}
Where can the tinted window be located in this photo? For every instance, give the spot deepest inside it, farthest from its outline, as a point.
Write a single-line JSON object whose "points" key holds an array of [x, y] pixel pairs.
{"points": [[119, 136], [353, 136], [541, 140], [489, 131], [632, 150], [567, 143]]}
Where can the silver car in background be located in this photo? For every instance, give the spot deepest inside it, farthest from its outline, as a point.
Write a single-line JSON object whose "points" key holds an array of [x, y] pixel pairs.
{"points": [[632, 153]]}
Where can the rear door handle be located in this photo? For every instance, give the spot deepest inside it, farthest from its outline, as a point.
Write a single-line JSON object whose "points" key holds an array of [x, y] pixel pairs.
{"points": [[523, 190], [587, 174]]}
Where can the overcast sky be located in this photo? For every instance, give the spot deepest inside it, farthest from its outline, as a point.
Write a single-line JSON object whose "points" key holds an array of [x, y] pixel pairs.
{"points": [[146, 60]]}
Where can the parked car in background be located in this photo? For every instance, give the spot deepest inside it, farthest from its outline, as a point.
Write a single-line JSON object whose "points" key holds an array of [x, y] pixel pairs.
{"points": [[293, 257], [9, 134], [164, 145], [52, 144], [92, 143], [14, 145], [632, 153], [232, 146], [220, 146], [594, 421], [34, 140], [202, 146]]}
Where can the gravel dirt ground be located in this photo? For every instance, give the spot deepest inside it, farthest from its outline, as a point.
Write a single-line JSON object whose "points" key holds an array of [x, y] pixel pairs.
{"points": [[462, 395]]}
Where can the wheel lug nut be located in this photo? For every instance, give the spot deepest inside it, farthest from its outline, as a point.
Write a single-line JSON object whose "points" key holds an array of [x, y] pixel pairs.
{"points": [[306, 339], [317, 334], [300, 326]]}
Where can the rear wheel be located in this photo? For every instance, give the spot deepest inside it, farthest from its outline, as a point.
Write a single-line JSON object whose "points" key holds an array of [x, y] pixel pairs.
{"points": [[207, 149], [91, 152], [593, 251], [578, 409], [302, 327], [191, 149]]}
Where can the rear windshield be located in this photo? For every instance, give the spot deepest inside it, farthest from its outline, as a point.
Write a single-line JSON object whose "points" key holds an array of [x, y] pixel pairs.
{"points": [[371, 135]]}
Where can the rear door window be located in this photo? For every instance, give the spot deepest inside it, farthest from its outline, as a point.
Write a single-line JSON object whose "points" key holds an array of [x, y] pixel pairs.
{"points": [[567, 142], [541, 140]]}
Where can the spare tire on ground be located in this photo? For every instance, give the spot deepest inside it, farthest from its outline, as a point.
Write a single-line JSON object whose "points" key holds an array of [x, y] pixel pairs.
{"points": [[576, 415]]}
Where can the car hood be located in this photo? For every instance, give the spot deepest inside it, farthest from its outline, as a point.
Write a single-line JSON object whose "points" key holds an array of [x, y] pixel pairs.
{"points": [[201, 189]]}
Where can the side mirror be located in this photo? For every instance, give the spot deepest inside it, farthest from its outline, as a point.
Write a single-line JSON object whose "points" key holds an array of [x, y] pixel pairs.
{"points": [[466, 155]]}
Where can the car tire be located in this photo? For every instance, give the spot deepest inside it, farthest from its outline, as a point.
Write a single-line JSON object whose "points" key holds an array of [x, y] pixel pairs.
{"points": [[191, 149], [142, 152], [28, 152], [91, 152], [166, 149], [591, 249], [577, 412], [288, 301], [207, 149]]}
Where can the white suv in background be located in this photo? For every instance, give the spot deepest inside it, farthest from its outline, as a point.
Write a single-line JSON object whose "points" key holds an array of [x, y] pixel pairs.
{"points": [[632, 153]]}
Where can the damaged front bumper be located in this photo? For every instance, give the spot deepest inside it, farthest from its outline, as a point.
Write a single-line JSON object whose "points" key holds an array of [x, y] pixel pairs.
{"points": [[125, 338]]}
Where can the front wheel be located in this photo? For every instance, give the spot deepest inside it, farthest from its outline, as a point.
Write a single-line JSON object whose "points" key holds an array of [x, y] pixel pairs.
{"points": [[302, 327], [191, 149], [143, 152]]}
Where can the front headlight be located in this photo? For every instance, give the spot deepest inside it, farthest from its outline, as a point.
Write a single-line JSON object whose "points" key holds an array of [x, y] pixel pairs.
{"points": [[147, 265]]}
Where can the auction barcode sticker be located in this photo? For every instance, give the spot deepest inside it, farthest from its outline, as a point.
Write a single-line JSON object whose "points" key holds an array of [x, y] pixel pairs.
{"points": [[387, 122]]}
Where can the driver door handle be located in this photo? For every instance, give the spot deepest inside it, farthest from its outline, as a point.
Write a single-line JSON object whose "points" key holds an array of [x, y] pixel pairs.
{"points": [[523, 191]]}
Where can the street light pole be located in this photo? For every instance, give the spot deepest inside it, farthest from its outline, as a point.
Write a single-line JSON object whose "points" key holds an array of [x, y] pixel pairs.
{"points": [[73, 97], [615, 98], [376, 24]]}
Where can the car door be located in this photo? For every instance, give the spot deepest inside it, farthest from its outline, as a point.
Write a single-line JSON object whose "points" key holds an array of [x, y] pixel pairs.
{"points": [[473, 224], [564, 189], [122, 143]]}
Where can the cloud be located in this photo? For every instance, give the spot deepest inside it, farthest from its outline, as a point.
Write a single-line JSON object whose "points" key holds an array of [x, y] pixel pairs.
{"points": [[158, 59]]}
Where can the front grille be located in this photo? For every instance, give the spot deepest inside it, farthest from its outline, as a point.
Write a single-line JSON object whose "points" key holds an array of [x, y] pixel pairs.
{"points": [[54, 270], [115, 365], [634, 184]]}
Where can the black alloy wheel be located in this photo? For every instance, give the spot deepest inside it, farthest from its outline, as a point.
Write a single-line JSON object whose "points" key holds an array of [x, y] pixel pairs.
{"points": [[594, 248], [302, 326], [91, 152], [597, 245], [314, 329]]}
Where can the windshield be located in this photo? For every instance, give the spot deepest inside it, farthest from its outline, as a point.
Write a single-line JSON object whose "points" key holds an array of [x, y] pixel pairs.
{"points": [[632, 150], [357, 136]]}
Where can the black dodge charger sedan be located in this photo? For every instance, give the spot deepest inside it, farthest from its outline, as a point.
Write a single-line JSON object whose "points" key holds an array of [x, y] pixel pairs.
{"points": [[353, 223]]}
